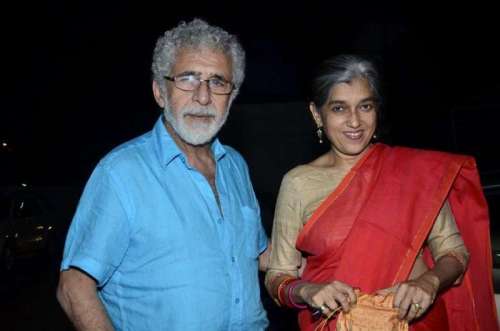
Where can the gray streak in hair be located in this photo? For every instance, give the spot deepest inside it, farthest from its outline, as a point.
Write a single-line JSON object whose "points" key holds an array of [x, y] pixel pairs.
{"points": [[343, 69]]}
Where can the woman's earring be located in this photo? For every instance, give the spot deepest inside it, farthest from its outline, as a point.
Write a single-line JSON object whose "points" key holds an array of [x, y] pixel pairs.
{"points": [[375, 137], [319, 133]]}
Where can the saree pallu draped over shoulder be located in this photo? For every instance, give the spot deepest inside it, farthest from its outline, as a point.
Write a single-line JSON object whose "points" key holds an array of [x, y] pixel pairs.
{"points": [[369, 231]]}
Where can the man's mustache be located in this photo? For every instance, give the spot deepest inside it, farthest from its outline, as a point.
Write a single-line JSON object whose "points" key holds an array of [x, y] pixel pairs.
{"points": [[200, 112]]}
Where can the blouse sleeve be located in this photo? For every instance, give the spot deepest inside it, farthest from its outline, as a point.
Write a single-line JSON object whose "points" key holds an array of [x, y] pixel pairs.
{"points": [[285, 258], [445, 239]]}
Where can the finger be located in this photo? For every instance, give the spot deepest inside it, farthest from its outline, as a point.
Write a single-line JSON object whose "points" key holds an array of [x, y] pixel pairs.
{"points": [[421, 311], [323, 309], [403, 311], [400, 294], [383, 292], [386, 291], [331, 307], [412, 312], [426, 298], [325, 302], [353, 298], [425, 304], [343, 301], [347, 291], [404, 306], [317, 301], [418, 297], [337, 299], [321, 296]]}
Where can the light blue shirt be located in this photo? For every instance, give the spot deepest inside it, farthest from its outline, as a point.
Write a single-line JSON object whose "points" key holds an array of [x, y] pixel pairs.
{"points": [[149, 230]]}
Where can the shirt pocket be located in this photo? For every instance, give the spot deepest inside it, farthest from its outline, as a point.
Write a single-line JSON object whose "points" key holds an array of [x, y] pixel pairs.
{"points": [[251, 233]]}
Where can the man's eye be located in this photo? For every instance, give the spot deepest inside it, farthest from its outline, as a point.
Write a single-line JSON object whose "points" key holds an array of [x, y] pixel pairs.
{"points": [[337, 109], [217, 82], [187, 78]]}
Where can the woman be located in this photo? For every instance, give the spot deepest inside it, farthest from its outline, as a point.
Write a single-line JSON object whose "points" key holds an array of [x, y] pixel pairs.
{"points": [[379, 219]]}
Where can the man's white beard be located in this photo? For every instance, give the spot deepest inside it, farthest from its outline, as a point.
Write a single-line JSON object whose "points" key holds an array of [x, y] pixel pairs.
{"points": [[195, 132]]}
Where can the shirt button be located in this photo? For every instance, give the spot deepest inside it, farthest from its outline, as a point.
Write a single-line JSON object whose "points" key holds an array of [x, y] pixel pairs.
{"points": [[237, 300], [233, 259]]}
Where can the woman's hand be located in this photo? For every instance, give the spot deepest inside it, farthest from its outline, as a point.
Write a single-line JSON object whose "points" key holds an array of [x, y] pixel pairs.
{"points": [[414, 297], [327, 297]]}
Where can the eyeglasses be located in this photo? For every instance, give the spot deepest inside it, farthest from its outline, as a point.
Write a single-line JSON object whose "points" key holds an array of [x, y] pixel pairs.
{"points": [[216, 85]]}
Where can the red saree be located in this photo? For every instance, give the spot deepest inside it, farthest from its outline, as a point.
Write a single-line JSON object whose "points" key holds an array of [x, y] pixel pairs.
{"points": [[378, 219]]}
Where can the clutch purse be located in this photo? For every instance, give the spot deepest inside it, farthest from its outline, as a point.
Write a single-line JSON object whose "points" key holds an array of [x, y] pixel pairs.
{"points": [[372, 313]]}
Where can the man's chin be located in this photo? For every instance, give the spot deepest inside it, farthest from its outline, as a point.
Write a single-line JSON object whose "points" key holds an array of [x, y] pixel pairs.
{"points": [[199, 143], [195, 140]]}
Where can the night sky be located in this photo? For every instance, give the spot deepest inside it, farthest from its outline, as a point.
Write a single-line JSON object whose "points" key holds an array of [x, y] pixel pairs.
{"points": [[76, 74]]}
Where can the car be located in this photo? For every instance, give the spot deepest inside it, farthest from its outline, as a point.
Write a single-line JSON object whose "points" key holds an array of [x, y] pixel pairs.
{"points": [[27, 225]]}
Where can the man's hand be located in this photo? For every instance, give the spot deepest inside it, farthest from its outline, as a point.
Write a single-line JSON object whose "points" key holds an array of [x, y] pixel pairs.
{"points": [[264, 257]]}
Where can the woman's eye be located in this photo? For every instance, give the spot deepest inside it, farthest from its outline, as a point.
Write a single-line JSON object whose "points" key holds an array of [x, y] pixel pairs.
{"points": [[337, 109], [367, 107]]}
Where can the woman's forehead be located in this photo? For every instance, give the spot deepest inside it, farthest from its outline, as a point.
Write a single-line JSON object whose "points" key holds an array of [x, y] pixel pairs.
{"points": [[358, 88]]}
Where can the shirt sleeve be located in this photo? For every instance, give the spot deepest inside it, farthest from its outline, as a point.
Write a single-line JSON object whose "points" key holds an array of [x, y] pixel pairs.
{"points": [[262, 240], [285, 258], [445, 239], [99, 233]]}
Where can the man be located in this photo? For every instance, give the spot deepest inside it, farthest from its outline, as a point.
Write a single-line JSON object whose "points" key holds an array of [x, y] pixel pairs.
{"points": [[167, 235]]}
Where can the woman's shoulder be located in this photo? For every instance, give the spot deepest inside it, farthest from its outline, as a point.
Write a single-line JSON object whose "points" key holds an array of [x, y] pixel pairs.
{"points": [[300, 171], [427, 154], [308, 172]]}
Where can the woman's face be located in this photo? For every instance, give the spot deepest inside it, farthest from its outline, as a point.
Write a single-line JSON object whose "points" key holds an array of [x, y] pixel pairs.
{"points": [[349, 117]]}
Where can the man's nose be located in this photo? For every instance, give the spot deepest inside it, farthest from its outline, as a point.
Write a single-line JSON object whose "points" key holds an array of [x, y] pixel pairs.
{"points": [[202, 94]]}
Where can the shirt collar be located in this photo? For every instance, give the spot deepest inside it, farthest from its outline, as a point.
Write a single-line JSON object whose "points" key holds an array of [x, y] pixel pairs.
{"points": [[168, 150]]}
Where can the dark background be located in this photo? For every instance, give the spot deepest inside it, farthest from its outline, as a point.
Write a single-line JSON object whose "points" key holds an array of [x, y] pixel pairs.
{"points": [[76, 82], [76, 75]]}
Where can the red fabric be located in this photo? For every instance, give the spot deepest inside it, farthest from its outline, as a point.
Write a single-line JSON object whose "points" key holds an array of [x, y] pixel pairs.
{"points": [[378, 219]]}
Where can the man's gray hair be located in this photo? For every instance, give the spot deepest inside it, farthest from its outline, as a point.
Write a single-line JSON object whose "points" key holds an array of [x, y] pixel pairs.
{"points": [[197, 34]]}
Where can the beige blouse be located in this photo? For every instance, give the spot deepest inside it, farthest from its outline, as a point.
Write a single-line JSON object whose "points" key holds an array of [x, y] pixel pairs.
{"points": [[304, 188]]}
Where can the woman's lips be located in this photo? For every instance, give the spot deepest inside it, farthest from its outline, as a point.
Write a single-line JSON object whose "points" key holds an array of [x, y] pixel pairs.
{"points": [[354, 135]]}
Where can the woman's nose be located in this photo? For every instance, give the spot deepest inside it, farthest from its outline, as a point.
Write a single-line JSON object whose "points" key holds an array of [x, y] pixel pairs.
{"points": [[353, 120]]}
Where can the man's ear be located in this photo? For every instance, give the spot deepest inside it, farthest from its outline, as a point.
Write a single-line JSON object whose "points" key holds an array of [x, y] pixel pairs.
{"points": [[315, 114], [160, 100]]}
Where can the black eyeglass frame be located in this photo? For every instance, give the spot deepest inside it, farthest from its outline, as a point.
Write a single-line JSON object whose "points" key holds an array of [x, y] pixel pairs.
{"points": [[208, 80]]}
